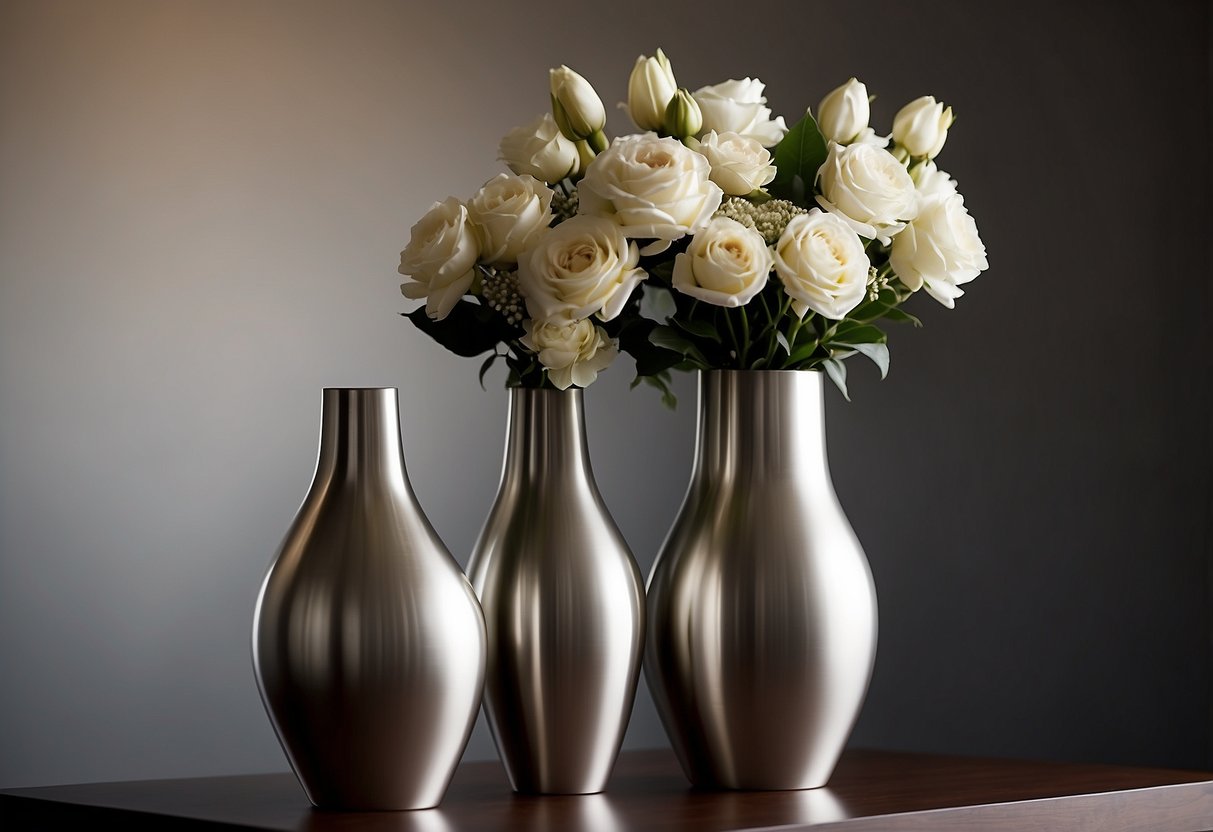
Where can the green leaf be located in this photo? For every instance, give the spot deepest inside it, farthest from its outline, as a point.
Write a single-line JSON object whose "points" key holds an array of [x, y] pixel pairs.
{"points": [[657, 304], [802, 353], [902, 317], [700, 329], [669, 338], [469, 330], [484, 368], [837, 371], [798, 157], [852, 332], [783, 342], [878, 353]]}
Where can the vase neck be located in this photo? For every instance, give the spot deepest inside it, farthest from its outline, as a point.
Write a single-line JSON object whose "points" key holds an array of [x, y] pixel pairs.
{"points": [[546, 435], [758, 423], [360, 436]]}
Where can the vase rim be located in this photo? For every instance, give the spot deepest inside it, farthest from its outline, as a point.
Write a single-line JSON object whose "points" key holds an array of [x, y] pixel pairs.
{"points": [[761, 372], [360, 389]]}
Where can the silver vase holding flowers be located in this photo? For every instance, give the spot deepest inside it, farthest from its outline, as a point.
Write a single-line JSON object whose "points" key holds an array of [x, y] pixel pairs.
{"points": [[762, 608], [368, 641], [563, 602]]}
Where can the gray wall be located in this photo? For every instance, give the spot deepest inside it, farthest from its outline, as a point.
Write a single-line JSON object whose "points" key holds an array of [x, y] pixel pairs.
{"points": [[201, 205]]}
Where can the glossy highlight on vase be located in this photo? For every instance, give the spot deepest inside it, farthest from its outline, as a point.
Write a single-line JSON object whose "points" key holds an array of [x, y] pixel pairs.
{"points": [[762, 609], [368, 641]]}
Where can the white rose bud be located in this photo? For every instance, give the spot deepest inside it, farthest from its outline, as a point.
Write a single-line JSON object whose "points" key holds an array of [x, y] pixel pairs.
{"points": [[822, 264], [440, 257], [540, 150], [740, 165], [921, 127], [867, 187], [572, 353], [738, 107], [582, 267], [683, 118], [509, 213], [577, 108], [940, 249], [843, 114], [653, 188], [726, 264], [650, 88]]}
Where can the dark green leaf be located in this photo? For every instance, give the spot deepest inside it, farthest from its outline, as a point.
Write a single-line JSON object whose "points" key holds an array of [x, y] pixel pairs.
{"points": [[901, 316], [484, 368], [669, 338], [851, 332], [469, 329], [798, 157], [701, 329]]}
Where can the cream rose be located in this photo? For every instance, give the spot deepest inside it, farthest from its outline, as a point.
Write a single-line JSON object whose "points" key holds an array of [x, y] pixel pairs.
{"points": [[822, 264], [740, 164], [538, 149], [844, 113], [940, 249], [440, 257], [652, 188], [868, 188], [572, 353], [650, 88], [582, 267], [739, 107], [726, 264], [509, 214], [921, 126]]}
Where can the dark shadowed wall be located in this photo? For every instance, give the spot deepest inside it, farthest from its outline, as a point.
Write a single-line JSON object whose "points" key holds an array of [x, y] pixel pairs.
{"points": [[201, 206]]}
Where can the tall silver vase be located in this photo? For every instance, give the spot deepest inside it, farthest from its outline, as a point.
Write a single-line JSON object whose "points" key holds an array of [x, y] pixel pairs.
{"points": [[564, 604], [368, 641], [762, 610]]}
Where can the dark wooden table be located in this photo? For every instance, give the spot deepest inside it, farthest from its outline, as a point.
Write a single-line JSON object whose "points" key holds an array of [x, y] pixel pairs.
{"points": [[870, 791]]}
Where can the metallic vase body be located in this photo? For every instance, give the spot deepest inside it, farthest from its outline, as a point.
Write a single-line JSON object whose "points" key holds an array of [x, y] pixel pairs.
{"points": [[564, 604], [368, 641], [762, 610]]}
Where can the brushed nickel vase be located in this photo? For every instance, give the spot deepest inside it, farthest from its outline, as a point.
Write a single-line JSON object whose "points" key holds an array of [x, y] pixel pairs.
{"points": [[563, 602], [762, 609], [368, 641]]}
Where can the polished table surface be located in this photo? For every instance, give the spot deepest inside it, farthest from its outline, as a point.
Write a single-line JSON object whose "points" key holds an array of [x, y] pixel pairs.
{"points": [[871, 791]]}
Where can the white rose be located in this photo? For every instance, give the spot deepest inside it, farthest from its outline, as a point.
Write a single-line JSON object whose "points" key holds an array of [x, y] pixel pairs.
{"points": [[726, 264], [538, 149], [940, 249], [844, 113], [582, 267], [868, 136], [868, 188], [921, 126], [509, 213], [737, 107], [653, 188], [572, 353], [822, 264], [577, 108], [739, 164], [650, 88], [440, 257], [931, 181]]}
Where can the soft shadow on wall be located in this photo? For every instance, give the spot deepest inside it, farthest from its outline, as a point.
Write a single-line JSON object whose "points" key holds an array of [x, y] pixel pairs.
{"points": [[202, 209]]}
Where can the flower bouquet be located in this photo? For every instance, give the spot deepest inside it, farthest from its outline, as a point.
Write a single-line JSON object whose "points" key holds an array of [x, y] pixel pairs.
{"points": [[714, 238]]}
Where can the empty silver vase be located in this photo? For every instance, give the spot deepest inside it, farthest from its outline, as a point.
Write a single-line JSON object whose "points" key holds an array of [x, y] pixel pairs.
{"points": [[762, 609], [368, 641], [564, 604]]}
